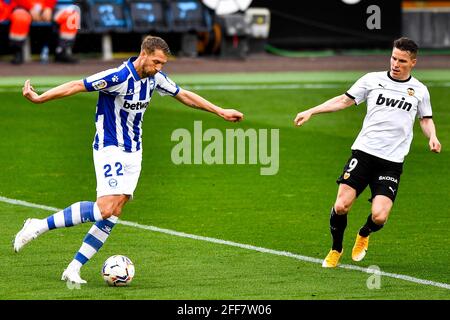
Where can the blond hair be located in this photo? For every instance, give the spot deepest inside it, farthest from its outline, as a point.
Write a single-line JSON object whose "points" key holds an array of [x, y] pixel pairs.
{"points": [[152, 43]]}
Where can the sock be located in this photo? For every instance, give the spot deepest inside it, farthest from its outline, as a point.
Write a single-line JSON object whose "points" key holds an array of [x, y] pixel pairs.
{"points": [[369, 227], [93, 241], [77, 213], [338, 223]]}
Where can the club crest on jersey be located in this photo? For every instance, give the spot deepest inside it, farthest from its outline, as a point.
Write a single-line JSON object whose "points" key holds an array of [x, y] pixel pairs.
{"points": [[112, 183], [410, 91], [346, 175], [391, 102], [100, 84]]}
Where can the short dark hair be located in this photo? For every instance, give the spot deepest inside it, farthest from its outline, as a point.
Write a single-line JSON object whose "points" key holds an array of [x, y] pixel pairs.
{"points": [[406, 44], [151, 43]]}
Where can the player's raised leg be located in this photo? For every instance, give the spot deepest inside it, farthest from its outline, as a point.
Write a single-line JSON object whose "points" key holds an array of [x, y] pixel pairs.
{"points": [[381, 207], [79, 212], [338, 222]]}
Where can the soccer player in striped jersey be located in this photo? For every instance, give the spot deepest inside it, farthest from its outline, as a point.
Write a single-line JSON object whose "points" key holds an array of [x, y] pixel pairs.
{"points": [[394, 99], [124, 95]]}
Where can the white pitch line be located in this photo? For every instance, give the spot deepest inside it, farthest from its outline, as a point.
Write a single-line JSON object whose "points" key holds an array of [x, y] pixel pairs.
{"points": [[28, 204], [243, 246]]}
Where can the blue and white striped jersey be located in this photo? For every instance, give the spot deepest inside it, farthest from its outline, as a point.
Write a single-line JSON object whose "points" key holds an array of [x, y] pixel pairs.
{"points": [[122, 101]]}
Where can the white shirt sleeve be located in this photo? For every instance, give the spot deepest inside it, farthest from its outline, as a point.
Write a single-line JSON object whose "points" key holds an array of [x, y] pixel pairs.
{"points": [[106, 81], [165, 86], [424, 106], [360, 89]]}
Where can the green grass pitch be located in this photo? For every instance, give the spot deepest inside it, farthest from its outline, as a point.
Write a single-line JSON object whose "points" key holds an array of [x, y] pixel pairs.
{"points": [[47, 159]]}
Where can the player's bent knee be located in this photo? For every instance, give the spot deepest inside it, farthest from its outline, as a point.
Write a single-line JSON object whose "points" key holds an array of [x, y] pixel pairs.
{"points": [[106, 212], [107, 208], [380, 217], [110, 206], [110, 211], [341, 207]]}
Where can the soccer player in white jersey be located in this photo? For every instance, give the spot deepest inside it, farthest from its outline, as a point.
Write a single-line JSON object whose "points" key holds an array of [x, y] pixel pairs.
{"points": [[394, 99], [124, 95]]}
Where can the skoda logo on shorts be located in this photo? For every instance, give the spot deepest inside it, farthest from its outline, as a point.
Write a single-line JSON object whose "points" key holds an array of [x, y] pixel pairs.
{"points": [[112, 183]]}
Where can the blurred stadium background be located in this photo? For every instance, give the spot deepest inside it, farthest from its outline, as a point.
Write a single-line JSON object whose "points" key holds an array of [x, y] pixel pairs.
{"points": [[112, 29], [269, 60]]}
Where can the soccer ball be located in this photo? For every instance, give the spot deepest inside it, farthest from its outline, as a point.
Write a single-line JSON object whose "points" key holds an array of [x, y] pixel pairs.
{"points": [[118, 271]]}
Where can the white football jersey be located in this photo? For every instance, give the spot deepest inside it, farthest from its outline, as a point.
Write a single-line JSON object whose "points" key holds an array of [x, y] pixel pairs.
{"points": [[392, 106], [122, 100]]}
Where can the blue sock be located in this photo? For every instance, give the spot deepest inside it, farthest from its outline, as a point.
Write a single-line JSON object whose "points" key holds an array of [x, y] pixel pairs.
{"points": [[77, 213], [93, 241]]}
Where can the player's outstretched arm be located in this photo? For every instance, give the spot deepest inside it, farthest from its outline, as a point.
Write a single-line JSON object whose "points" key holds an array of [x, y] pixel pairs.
{"points": [[193, 100], [429, 130], [332, 105], [64, 90]]}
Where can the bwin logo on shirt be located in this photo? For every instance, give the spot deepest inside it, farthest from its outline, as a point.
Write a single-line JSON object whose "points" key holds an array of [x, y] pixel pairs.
{"points": [[135, 106], [391, 102]]}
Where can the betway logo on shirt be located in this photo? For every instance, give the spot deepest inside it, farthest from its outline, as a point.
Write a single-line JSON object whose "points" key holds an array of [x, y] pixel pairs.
{"points": [[391, 102], [135, 106]]}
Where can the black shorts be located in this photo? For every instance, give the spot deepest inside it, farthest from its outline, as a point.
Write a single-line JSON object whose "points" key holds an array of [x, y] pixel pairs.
{"points": [[381, 175]]}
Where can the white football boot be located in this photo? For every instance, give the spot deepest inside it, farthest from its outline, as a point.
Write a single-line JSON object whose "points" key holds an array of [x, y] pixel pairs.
{"points": [[73, 276], [31, 230]]}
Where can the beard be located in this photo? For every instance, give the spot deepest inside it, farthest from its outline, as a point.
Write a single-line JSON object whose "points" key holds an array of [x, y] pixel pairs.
{"points": [[146, 74]]}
